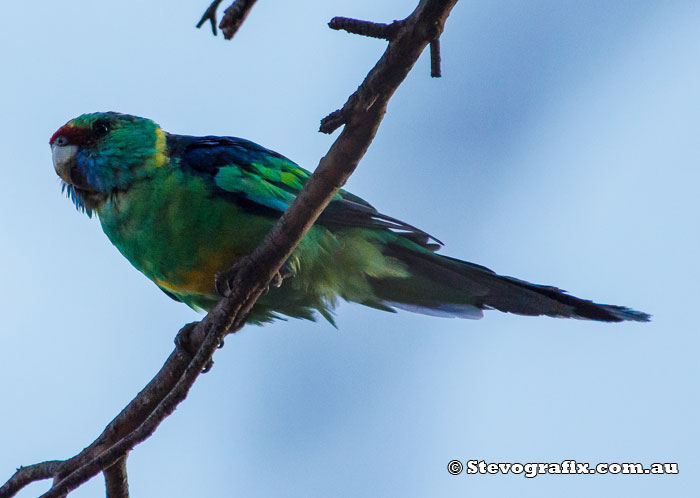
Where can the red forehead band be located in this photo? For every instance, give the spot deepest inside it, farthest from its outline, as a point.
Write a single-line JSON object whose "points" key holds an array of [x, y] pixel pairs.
{"points": [[74, 135]]}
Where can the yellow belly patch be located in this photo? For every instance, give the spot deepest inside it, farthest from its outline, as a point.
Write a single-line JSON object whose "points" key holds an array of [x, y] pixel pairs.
{"points": [[194, 283], [199, 281]]}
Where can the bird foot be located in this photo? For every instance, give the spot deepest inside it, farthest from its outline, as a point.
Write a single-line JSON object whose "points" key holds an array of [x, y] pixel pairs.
{"points": [[223, 281], [184, 346]]}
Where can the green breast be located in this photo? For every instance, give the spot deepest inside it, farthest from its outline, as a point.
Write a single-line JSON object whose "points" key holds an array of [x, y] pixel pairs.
{"points": [[171, 228]]}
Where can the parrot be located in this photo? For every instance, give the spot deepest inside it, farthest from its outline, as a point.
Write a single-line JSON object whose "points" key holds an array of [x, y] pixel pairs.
{"points": [[182, 209]]}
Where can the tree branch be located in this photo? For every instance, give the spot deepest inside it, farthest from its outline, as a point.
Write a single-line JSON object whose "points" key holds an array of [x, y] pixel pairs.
{"points": [[423, 26], [210, 15], [365, 28], [435, 70], [29, 474], [361, 114], [234, 16], [116, 481]]}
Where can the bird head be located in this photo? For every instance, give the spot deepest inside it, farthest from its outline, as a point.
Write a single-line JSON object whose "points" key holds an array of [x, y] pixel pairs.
{"points": [[97, 155]]}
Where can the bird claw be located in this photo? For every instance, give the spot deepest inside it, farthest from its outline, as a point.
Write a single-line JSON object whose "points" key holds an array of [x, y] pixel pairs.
{"points": [[284, 272], [183, 344], [208, 366], [223, 281], [276, 281]]}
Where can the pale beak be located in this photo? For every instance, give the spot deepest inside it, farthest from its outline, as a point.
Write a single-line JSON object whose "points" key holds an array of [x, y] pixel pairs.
{"points": [[63, 160]]}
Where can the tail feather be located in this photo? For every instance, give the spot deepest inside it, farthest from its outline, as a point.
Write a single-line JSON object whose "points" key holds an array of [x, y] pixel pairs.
{"points": [[445, 310], [445, 286]]}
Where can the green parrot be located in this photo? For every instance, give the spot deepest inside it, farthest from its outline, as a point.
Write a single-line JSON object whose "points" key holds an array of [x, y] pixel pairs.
{"points": [[182, 209]]}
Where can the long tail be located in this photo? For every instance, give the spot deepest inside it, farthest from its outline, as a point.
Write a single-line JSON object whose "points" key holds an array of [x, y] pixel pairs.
{"points": [[445, 286]]}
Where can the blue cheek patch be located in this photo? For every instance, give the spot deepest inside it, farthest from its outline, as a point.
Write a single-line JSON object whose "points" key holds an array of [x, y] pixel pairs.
{"points": [[90, 171]]}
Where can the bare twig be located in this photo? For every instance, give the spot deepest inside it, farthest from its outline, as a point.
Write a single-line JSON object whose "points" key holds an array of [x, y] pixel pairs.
{"points": [[425, 28], [210, 15], [435, 70], [365, 28], [116, 481], [29, 474], [234, 16], [361, 115]]}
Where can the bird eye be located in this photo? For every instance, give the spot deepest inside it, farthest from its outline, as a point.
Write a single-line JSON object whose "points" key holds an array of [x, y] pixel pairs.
{"points": [[61, 141], [100, 127]]}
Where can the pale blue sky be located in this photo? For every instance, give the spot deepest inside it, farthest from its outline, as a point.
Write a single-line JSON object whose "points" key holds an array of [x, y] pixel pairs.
{"points": [[560, 147]]}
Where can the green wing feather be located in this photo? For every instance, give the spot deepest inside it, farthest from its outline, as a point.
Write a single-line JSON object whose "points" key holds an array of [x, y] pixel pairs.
{"points": [[250, 172]]}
